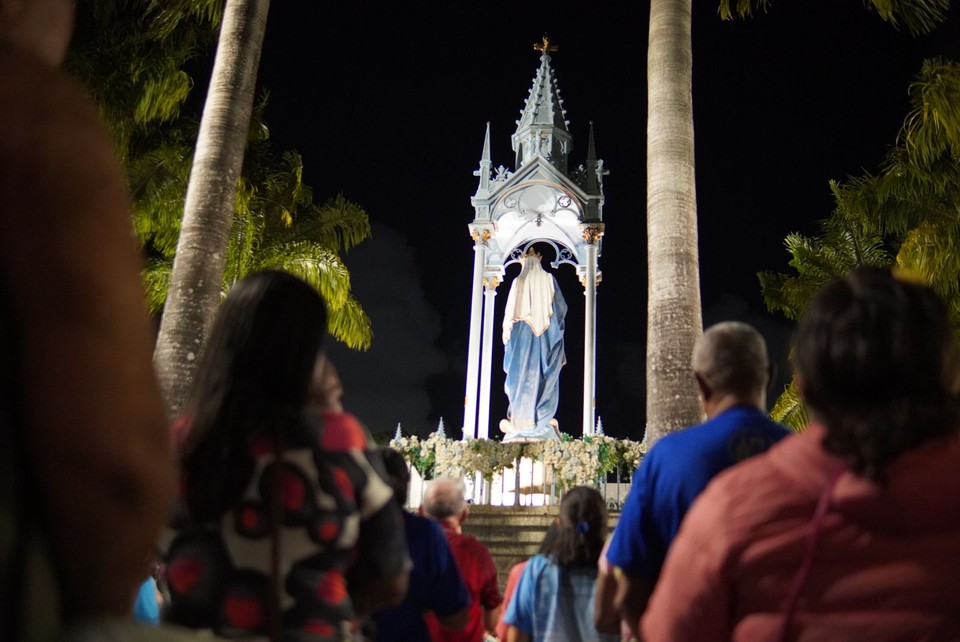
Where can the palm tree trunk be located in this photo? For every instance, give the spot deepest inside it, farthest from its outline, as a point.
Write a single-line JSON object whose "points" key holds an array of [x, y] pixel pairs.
{"points": [[197, 279], [673, 289]]}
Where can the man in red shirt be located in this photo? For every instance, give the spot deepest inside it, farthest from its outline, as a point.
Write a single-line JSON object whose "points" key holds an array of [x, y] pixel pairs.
{"points": [[444, 502]]}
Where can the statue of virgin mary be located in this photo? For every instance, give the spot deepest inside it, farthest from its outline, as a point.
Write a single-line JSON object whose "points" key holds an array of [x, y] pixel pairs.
{"points": [[533, 353]]}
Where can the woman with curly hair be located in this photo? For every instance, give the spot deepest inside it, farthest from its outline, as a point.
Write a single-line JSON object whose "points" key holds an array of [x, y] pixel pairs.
{"points": [[851, 529]]}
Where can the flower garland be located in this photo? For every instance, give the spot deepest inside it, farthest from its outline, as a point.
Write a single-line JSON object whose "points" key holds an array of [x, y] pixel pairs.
{"points": [[574, 462]]}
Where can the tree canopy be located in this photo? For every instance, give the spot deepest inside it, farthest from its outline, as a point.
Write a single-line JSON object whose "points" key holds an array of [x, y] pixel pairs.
{"points": [[919, 16], [144, 63], [906, 216]]}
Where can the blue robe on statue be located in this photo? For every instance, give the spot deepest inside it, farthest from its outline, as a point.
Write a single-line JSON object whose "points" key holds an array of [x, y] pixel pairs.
{"points": [[533, 353]]}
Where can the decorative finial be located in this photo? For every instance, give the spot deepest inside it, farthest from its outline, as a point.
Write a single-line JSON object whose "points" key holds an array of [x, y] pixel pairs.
{"points": [[440, 430], [544, 46], [398, 435], [599, 430]]}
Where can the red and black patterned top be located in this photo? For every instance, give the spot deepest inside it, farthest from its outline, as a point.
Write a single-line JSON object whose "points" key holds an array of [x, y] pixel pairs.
{"points": [[338, 521]]}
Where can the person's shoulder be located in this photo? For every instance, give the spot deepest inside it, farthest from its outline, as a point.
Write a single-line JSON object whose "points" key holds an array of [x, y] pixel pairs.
{"points": [[465, 538], [473, 544], [539, 562], [745, 493], [516, 571], [680, 442], [340, 432], [423, 527]]}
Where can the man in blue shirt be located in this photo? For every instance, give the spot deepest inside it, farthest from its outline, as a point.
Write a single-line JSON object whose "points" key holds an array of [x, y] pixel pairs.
{"points": [[435, 581], [733, 372]]}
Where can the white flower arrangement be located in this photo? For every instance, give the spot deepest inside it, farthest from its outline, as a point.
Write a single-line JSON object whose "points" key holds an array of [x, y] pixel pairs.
{"points": [[574, 462]]}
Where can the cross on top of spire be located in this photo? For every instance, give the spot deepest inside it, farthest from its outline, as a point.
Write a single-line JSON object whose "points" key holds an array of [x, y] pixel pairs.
{"points": [[545, 46]]}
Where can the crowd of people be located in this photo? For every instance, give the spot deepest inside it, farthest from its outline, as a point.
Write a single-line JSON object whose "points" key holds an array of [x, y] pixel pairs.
{"points": [[273, 516]]}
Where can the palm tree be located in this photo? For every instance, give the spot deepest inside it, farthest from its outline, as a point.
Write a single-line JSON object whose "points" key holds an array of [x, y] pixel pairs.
{"points": [[131, 58], [276, 225], [195, 282], [841, 246], [673, 289], [907, 215]]}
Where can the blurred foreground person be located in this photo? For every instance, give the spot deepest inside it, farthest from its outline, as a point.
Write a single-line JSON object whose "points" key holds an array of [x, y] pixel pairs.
{"points": [[289, 530], [85, 469], [435, 582], [444, 502], [850, 530], [554, 599]]}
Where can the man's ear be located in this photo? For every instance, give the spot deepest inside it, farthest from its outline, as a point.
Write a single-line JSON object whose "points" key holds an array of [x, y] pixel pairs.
{"points": [[464, 515], [705, 390], [771, 376], [420, 510]]}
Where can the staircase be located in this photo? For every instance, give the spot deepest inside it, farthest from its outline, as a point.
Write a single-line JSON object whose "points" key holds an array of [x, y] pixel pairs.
{"points": [[513, 533]]}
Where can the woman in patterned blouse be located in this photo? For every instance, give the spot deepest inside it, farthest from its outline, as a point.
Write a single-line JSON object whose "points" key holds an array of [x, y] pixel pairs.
{"points": [[297, 546]]}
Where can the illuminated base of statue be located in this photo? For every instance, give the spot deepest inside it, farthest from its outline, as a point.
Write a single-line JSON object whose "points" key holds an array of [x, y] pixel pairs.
{"points": [[513, 435]]}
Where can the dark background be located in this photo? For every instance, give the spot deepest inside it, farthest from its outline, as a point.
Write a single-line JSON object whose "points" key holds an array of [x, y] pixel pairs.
{"points": [[388, 104]]}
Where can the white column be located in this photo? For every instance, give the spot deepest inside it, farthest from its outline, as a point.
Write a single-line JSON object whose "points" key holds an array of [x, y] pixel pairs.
{"points": [[589, 339], [591, 235], [473, 351], [486, 357]]}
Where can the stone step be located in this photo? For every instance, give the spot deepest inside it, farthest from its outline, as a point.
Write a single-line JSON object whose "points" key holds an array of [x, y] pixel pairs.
{"points": [[513, 534], [520, 524]]}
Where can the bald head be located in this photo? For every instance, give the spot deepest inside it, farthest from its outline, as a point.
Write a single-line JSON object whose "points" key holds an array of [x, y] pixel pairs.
{"points": [[445, 499], [730, 359]]}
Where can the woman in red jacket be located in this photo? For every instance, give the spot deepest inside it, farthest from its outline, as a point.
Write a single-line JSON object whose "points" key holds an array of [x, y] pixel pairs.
{"points": [[849, 530]]}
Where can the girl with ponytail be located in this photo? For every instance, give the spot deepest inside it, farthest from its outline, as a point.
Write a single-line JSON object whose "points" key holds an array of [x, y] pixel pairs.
{"points": [[554, 598]]}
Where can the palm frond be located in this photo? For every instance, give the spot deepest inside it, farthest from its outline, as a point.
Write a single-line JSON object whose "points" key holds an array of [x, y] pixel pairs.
{"points": [[932, 128], [167, 15], [158, 181], [919, 16], [743, 8], [156, 282], [351, 325], [315, 264], [789, 409], [838, 249], [929, 250], [338, 223]]}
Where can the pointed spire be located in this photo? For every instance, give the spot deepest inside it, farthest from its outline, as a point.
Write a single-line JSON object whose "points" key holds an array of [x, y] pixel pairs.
{"points": [[485, 158], [542, 128], [592, 179], [483, 188], [398, 435], [440, 429], [599, 430]]}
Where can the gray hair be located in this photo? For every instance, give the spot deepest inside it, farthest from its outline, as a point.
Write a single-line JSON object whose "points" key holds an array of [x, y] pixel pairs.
{"points": [[445, 497], [731, 357]]}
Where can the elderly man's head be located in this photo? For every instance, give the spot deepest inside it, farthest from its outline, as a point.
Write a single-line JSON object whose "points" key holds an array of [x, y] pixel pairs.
{"points": [[445, 500], [730, 361]]}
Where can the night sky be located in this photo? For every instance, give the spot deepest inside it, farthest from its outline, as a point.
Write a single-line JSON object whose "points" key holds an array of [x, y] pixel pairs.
{"points": [[388, 104]]}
